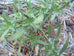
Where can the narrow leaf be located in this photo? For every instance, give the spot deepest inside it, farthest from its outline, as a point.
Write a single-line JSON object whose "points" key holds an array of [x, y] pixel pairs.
{"points": [[19, 49], [6, 17], [42, 42], [64, 47], [67, 4], [34, 27], [56, 26], [4, 34], [56, 39]]}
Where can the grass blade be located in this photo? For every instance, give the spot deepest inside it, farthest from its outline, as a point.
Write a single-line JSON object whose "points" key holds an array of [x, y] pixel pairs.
{"points": [[64, 47], [56, 39], [41, 42]]}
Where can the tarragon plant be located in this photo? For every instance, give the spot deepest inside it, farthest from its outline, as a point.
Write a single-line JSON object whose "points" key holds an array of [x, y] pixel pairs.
{"points": [[28, 23]]}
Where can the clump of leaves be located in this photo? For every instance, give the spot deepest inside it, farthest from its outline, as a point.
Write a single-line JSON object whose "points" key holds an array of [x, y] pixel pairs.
{"points": [[29, 22]]}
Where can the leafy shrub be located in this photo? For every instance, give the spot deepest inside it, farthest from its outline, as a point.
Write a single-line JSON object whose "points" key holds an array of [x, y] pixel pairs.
{"points": [[31, 21]]}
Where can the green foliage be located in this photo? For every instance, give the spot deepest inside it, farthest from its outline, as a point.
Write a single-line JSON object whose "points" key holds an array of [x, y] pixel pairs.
{"points": [[16, 35], [30, 22], [53, 47], [5, 33]]}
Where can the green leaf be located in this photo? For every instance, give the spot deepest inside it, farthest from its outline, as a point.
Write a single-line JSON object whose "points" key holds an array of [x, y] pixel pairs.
{"points": [[56, 26], [64, 47], [39, 19], [52, 17], [24, 39], [56, 39], [6, 18], [27, 15], [35, 29], [49, 53], [42, 42], [17, 35], [4, 34], [19, 50], [67, 4], [32, 44]]}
